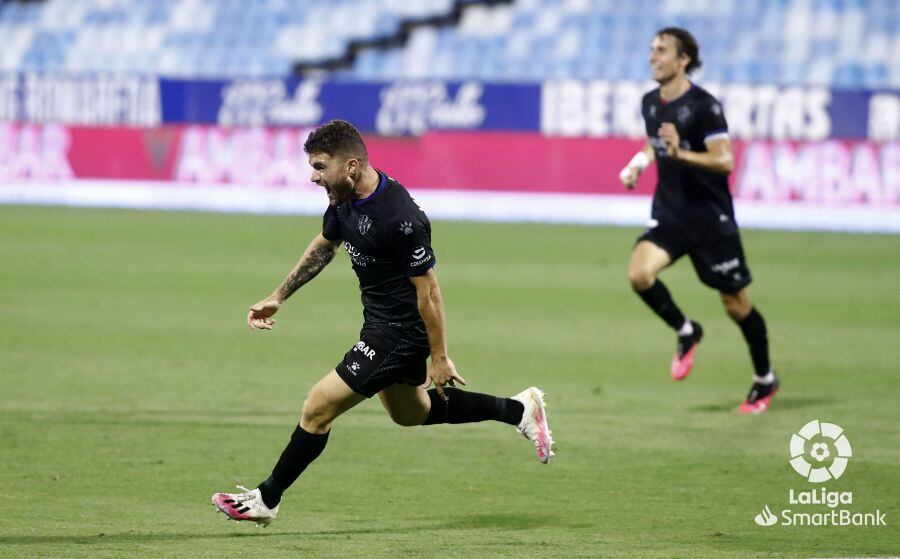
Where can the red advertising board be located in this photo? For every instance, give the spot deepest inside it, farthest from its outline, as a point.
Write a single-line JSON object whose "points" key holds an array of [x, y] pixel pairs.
{"points": [[522, 166]]}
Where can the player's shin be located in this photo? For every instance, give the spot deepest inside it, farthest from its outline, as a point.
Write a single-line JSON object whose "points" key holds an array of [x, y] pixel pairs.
{"points": [[303, 448], [468, 407], [660, 300], [753, 326]]}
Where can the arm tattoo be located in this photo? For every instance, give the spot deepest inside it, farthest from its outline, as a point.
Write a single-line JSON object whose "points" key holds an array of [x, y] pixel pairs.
{"points": [[306, 269]]}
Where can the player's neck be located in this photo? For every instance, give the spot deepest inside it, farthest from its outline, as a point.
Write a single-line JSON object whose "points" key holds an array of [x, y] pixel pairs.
{"points": [[367, 184], [674, 88]]}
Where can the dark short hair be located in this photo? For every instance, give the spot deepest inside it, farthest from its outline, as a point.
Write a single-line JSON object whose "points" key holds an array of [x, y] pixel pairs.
{"points": [[687, 44], [336, 137]]}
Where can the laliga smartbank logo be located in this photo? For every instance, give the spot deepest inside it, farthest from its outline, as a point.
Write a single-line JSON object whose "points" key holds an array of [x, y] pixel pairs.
{"points": [[820, 452], [766, 518]]}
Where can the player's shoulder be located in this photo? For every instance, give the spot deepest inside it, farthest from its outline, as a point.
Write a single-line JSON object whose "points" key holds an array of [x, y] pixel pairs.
{"points": [[650, 97], [396, 196], [703, 96], [399, 204]]}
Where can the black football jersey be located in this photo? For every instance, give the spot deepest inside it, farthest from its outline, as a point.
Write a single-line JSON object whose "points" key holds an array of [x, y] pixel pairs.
{"points": [[388, 239], [684, 194]]}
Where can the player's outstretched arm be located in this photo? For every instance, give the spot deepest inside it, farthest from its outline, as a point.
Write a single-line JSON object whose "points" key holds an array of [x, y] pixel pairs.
{"points": [[717, 157], [318, 254], [641, 160], [441, 370]]}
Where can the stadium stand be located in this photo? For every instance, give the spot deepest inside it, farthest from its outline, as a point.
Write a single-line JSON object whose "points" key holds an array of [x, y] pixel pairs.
{"points": [[191, 38], [844, 44], [839, 43]]}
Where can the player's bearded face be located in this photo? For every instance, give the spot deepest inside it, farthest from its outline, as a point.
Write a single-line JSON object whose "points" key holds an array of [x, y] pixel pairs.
{"points": [[664, 60], [331, 174]]}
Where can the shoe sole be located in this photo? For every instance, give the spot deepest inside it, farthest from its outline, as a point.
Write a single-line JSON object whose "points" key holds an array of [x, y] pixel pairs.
{"points": [[262, 522], [763, 405], [537, 396]]}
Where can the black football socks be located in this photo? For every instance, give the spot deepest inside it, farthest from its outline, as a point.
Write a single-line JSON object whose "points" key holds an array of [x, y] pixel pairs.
{"points": [[660, 300], [461, 407], [754, 329], [468, 407], [303, 448]]}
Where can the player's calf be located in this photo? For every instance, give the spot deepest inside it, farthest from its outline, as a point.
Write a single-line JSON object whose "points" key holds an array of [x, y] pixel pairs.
{"points": [[462, 406]]}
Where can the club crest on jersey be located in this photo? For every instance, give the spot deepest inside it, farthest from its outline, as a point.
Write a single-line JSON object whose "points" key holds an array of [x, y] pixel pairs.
{"points": [[683, 113], [365, 223]]}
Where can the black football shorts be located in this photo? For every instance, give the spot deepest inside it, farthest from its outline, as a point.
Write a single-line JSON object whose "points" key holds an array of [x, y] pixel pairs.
{"points": [[716, 253], [383, 357]]}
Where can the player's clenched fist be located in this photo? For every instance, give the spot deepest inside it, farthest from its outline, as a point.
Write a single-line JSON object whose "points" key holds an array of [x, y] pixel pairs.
{"points": [[630, 173], [629, 176], [669, 134]]}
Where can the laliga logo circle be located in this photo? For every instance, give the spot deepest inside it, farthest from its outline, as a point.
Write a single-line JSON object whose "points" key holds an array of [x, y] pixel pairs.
{"points": [[826, 441]]}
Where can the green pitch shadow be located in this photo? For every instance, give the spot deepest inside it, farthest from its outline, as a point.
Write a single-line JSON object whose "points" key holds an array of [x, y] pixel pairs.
{"points": [[467, 522], [785, 403]]}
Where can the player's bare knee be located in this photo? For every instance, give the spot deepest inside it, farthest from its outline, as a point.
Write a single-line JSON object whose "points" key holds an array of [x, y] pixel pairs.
{"points": [[736, 309], [315, 423], [641, 279], [314, 416]]}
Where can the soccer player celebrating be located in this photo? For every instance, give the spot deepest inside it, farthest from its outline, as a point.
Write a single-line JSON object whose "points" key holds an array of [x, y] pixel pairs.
{"points": [[388, 239], [692, 210]]}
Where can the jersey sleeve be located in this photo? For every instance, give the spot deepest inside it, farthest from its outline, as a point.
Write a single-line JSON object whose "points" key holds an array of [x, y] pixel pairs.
{"points": [[330, 228], [645, 114], [713, 121], [412, 244]]}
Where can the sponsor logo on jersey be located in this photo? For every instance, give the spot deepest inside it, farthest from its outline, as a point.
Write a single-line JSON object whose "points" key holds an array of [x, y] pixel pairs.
{"points": [[406, 228], [727, 266], [357, 257], [364, 348], [420, 256]]}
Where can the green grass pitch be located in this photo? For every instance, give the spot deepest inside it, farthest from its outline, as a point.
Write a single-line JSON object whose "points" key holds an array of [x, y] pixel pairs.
{"points": [[131, 390]]}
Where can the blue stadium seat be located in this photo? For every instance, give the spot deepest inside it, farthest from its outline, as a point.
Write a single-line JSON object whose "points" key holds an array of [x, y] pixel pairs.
{"points": [[845, 43]]}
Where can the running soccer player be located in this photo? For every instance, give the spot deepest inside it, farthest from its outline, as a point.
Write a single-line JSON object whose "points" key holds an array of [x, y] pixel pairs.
{"points": [[388, 239], [693, 213]]}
